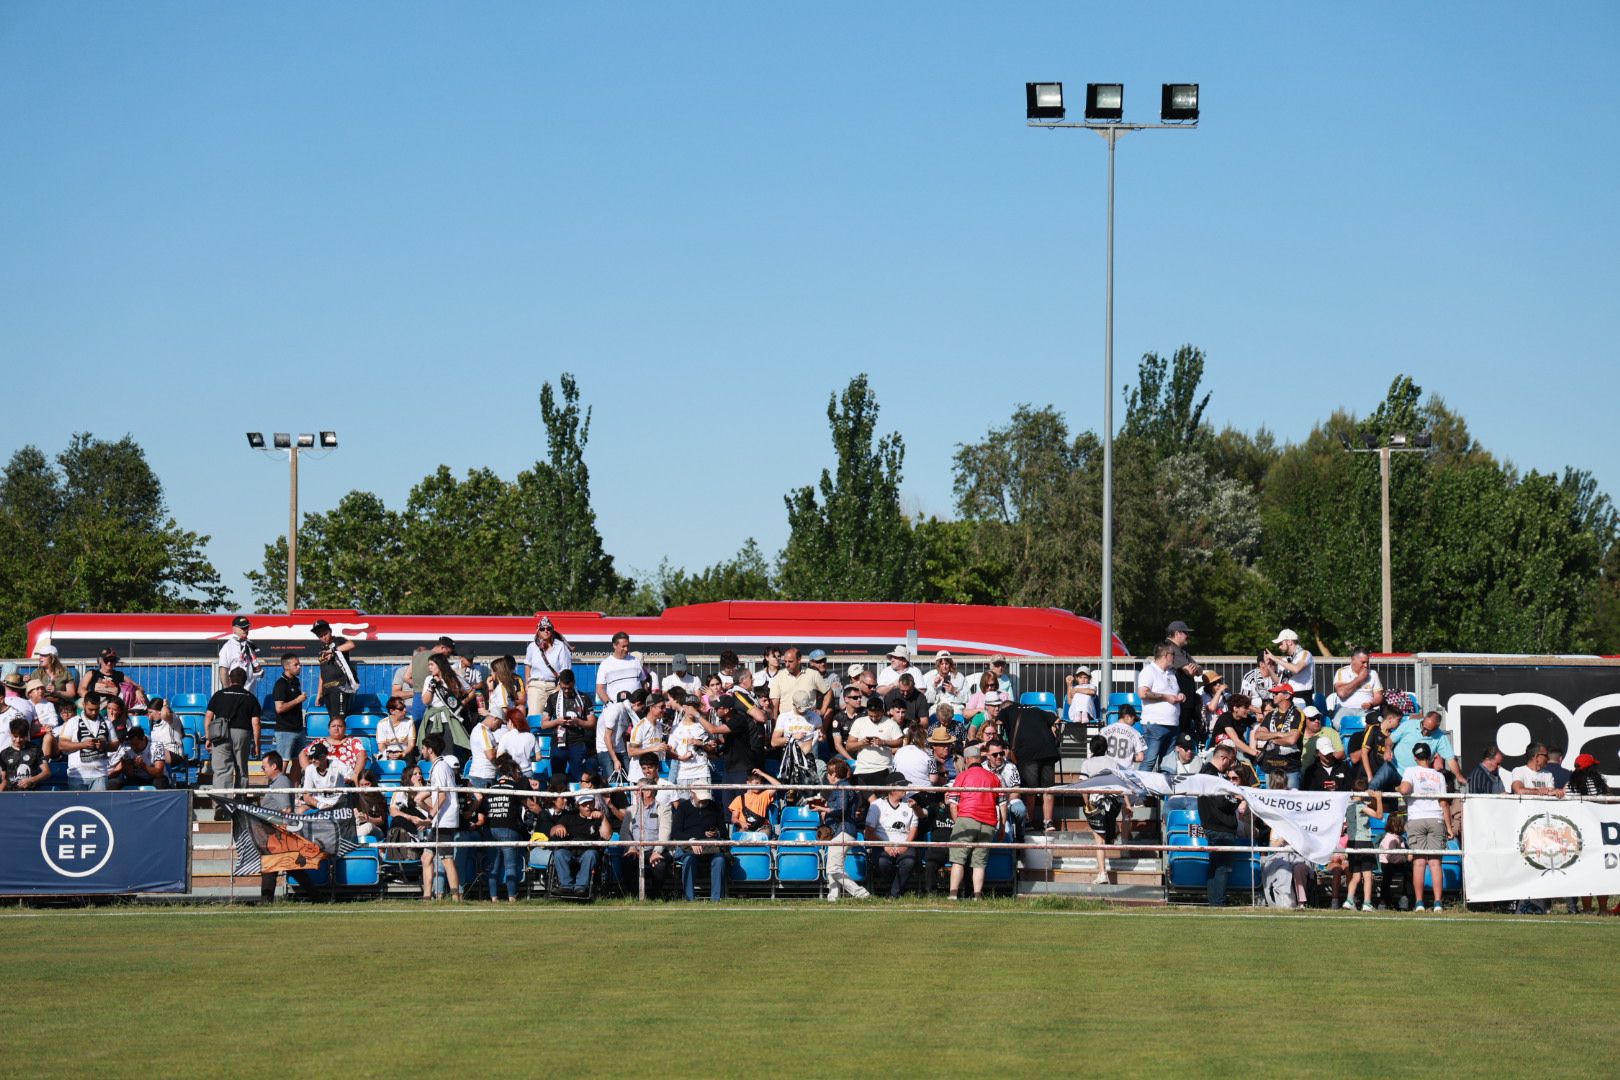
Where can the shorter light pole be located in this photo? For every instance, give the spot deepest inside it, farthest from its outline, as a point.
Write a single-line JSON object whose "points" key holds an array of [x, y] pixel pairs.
{"points": [[292, 445], [1399, 443]]}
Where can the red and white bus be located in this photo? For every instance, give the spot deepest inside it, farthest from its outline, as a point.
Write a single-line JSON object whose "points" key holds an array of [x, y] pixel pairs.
{"points": [[744, 626]]}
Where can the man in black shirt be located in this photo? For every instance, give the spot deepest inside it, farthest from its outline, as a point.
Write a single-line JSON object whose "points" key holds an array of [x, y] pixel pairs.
{"points": [[338, 680], [1186, 670], [287, 698], [698, 820], [905, 694], [22, 765], [571, 867], [232, 728], [745, 745], [1219, 815], [1369, 752], [1032, 735]]}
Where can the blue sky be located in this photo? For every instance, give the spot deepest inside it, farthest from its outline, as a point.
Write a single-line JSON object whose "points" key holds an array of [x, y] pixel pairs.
{"points": [[397, 220]]}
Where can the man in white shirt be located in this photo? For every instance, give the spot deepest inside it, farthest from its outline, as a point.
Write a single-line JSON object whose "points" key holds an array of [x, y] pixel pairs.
{"points": [[1428, 826], [680, 676], [1296, 665], [899, 664], [620, 673], [1533, 777], [874, 737], [444, 816], [481, 771], [1161, 705], [646, 739], [945, 684], [325, 772], [1358, 686], [612, 731], [237, 652], [546, 657], [17, 701], [893, 823], [88, 740]]}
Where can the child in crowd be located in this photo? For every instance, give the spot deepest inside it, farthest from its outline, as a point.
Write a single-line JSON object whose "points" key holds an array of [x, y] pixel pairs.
{"points": [[1397, 867], [1359, 844]]}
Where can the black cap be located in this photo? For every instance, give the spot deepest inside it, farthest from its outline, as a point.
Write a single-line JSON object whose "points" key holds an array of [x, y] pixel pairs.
{"points": [[448, 642], [321, 627], [875, 702], [1421, 751], [726, 701], [1187, 742], [1178, 627], [241, 621], [318, 750]]}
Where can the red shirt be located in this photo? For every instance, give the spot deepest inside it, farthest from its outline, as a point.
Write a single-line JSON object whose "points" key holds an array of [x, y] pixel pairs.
{"points": [[978, 805]]}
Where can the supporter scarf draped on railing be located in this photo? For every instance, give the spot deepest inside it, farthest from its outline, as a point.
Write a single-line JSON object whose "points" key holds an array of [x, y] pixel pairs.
{"points": [[1310, 821], [269, 841]]}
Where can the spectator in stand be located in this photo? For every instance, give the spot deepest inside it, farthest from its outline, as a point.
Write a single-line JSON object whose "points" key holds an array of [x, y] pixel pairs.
{"points": [[22, 764], [503, 688], [1279, 740], [167, 734], [481, 771], [1370, 749], [843, 812], [1358, 685], [238, 652], [999, 761], [792, 678], [572, 868], [1428, 826], [1397, 865], [16, 699], [771, 663], [1122, 745], [287, 698], [231, 727], [1221, 817], [832, 685], [911, 701], [621, 673], [1161, 705], [1004, 680], [1186, 671], [1322, 750], [728, 669], [396, 735], [338, 679], [61, 685], [751, 809], [571, 723], [1296, 665], [836, 724], [544, 660], [1186, 760], [892, 823], [1425, 731], [117, 714], [695, 821], [276, 783], [444, 816], [1032, 736], [945, 684], [1486, 779], [644, 831], [450, 704], [1234, 727], [1587, 782], [370, 808], [899, 664], [1258, 681], [342, 746], [978, 815], [1360, 845], [404, 684], [745, 740], [1214, 698], [411, 813], [1081, 695], [138, 764], [1555, 766], [322, 772], [941, 747], [613, 732], [47, 718], [108, 681], [874, 738], [503, 817], [912, 761], [1532, 778], [690, 745], [681, 675], [517, 742]]}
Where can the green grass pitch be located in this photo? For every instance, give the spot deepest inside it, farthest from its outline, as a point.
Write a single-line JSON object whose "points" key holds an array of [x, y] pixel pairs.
{"points": [[802, 989]]}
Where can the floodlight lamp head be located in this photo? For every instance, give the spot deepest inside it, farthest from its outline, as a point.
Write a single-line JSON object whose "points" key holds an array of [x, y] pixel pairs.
{"points": [[1369, 441], [1178, 102], [1105, 101], [256, 440], [1424, 439], [328, 440], [1398, 439], [283, 440], [1043, 100], [306, 439]]}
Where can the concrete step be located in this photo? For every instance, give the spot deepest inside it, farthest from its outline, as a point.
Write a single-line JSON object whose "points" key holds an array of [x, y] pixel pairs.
{"points": [[1132, 895]]}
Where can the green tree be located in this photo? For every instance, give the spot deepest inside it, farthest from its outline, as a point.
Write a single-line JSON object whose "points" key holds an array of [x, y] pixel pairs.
{"points": [[94, 534], [744, 576], [1163, 409], [847, 537]]}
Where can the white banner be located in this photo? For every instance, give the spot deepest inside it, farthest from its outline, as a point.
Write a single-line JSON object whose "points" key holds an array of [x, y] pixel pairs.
{"points": [[1528, 849]]}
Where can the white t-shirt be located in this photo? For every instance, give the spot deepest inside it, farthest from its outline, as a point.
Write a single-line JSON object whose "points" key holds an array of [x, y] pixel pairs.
{"points": [[1125, 745], [482, 741], [895, 822], [17, 706], [89, 764], [1159, 681], [167, 738], [396, 732], [520, 746], [239, 654], [874, 758], [544, 665], [337, 775], [1305, 678], [1083, 704], [689, 682], [890, 675], [1425, 782], [934, 682], [1530, 778], [913, 763], [1361, 699], [443, 777], [501, 699], [148, 757], [614, 724], [795, 726], [615, 676], [687, 738]]}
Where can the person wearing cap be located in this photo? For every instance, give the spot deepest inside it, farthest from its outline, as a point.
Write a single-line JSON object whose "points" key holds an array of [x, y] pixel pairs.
{"points": [[1185, 760], [1428, 826], [544, 659], [1214, 696], [1186, 671], [681, 675], [1587, 782], [944, 684], [238, 652], [899, 664], [17, 699], [22, 764], [1081, 695], [338, 679], [978, 815], [61, 685], [1296, 665], [821, 664], [108, 680], [794, 677], [794, 728], [1161, 705], [1321, 748], [1281, 738], [874, 738]]}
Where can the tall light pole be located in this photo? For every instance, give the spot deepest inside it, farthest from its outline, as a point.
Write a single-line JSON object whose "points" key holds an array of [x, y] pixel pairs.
{"points": [[1399, 443], [1105, 109], [291, 445]]}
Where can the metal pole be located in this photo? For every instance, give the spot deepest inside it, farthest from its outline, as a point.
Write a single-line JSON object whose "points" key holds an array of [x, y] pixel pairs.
{"points": [[1383, 476], [1108, 448], [292, 533]]}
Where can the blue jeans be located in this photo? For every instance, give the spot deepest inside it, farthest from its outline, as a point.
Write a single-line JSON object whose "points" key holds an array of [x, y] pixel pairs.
{"points": [[604, 765], [573, 867], [717, 874], [570, 760], [1159, 738], [480, 781], [98, 784], [1385, 778], [508, 862], [288, 743], [1220, 866]]}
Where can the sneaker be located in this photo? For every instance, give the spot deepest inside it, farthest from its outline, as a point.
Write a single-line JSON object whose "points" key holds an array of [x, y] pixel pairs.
{"points": [[1349, 905], [1366, 907], [1417, 907], [1437, 907]]}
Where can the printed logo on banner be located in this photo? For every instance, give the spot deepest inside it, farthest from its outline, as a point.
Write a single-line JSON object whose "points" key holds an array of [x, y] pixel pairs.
{"points": [[76, 841], [1550, 843], [1515, 721]]}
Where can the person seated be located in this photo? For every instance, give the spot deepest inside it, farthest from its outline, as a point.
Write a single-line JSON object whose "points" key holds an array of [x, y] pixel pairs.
{"points": [[892, 822], [396, 732], [908, 698], [751, 810], [138, 763], [324, 772], [1082, 696], [370, 807], [644, 829], [698, 819], [168, 734], [22, 764], [572, 868], [999, 761], [350, 752]]}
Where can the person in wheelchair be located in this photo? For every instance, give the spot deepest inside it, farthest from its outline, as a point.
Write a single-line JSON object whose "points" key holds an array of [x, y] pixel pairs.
{"points": [[572, 868]]}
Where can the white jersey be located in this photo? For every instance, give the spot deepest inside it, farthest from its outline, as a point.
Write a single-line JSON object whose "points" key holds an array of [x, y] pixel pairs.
{"points": [[1125, 745]]}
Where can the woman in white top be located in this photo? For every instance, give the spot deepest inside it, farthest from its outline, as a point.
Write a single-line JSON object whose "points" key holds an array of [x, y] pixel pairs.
{"points": [[396, 734], [517, 741], [505, 688]]}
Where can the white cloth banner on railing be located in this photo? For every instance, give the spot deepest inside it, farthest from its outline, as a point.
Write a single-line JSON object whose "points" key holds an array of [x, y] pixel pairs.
{"points": [[1539, 849], [1310, 821]]}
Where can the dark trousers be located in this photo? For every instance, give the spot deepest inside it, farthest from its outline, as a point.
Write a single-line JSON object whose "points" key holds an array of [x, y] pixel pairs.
{"points": [[692, 865], [336, 703], [657, 875], [569, 760], [1220, 866], [895, 871]]}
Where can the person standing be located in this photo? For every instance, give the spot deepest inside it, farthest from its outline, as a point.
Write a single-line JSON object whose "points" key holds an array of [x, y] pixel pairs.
{"points": [[338, 680], [287, 698], [231, 729], [1359, 689], [544, 661], [620, 673], [275, 798], [237, 652], [1296, 665], [1032, 737], [1187, 672], [444, 816], [1219, 815], [1587, 782], [571, 723], [978, 814], [1161, 705], [1428, 826]]}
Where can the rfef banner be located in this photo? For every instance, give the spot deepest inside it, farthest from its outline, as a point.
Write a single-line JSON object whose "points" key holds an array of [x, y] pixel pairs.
{"points": [[1532, 849], [270, 842], [58, 843]]}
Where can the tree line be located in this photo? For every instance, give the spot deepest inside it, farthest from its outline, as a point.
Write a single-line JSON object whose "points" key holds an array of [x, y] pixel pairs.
{"points": [[1229, 530]]}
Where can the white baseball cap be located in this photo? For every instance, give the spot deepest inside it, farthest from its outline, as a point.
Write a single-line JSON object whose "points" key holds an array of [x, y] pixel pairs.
{"points": [[1286, 635], [46, 650], [856, 671], [943, 654]]}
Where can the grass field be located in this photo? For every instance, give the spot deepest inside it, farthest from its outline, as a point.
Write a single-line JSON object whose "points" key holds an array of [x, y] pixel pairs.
{"points": [[756, 988]]}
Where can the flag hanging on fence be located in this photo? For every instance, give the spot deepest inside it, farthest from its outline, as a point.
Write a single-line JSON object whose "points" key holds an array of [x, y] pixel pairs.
{"points": [[1531, 849], [270, 842]]}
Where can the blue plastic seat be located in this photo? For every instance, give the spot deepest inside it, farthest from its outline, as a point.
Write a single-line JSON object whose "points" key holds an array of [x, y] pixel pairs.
{"points": [[800, 817], [798, 864], [585, 679], [368, 704], [317, 724], [390, 771], [361, 724], [1043, 699], [357, 869], [1350, 723], [1117, 699], [750, 864], [181, 702]]}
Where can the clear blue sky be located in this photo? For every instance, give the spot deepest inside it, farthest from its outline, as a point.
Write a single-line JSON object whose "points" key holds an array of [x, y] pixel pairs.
{"points": [[397, 220]]}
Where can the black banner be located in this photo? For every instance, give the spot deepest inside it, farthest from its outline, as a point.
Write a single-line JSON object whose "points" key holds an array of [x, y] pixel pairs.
{"points": [[268, 841], [1572, 708]]}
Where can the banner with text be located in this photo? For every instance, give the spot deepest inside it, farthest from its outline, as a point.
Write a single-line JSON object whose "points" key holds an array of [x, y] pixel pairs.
{"points": [[271, 842], [1531, 849], [58, 843]]}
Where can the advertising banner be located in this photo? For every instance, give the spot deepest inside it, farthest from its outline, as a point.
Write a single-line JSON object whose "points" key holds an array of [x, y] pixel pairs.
{"points": [[1572, 708], [1530, 849], [57, 843]]}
